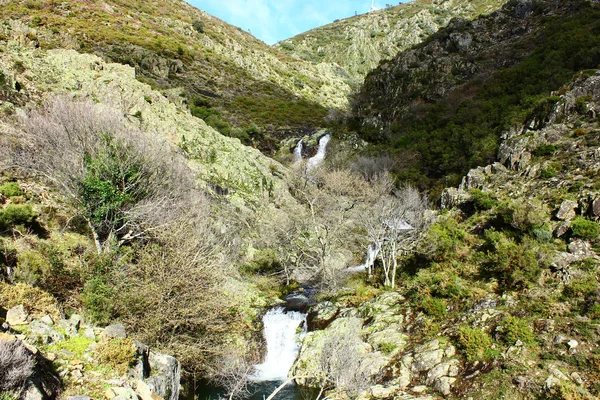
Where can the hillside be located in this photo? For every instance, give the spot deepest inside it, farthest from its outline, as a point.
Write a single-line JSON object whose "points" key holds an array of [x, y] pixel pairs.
{"points": [[501, 298], [359, 43], [236, 83], [441, 106]]}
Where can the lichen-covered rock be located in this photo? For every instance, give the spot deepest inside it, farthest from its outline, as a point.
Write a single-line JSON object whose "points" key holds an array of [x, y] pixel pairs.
{"points": [[114, 331], [321, 315], [566, 212], [17, 316]]}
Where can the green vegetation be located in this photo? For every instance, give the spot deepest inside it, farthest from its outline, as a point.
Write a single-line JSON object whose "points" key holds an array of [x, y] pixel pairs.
{"points": [[16, 214], [482, 200], [584, 228], [11, 189], [515, 329], [461, 130], [474, 343], [434, 307]]}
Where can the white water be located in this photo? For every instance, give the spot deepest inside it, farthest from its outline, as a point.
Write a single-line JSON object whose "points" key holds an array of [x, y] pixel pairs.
{"points": [[280, 331], [372, 252], [318, 158], [298, 152]]}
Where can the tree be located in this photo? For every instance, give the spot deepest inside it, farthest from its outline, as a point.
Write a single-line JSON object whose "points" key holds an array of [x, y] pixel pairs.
{"points": [[125, 183], [395, 224]]}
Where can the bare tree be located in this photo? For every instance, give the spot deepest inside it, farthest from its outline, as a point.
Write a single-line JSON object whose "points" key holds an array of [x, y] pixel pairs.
{"points": [[395, 225], [233, 375], [126, 183], [343, 362]]}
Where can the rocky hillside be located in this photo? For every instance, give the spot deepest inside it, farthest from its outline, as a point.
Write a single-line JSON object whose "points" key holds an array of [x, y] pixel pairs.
{"points": [[442, 105], [358, 43], [224, 74], [502, 299]]}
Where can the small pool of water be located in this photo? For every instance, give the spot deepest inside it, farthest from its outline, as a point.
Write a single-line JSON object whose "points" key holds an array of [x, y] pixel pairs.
{"points": [[260, 391]]}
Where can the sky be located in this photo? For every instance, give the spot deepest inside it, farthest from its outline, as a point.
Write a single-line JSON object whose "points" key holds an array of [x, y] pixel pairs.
{"points": [[275, 20]]}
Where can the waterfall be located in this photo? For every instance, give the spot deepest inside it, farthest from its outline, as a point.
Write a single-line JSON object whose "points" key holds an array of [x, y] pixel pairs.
{"points": [[372, 252], [298, 152], [318, 158], [280, 331]]}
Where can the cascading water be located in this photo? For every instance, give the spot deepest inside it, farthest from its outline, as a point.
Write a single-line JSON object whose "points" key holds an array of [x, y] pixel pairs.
{"points": [[318, 158], [280, 331], [297, 158], [372, 252]]}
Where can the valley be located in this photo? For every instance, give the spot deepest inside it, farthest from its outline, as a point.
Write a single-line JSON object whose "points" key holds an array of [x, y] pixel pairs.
{"points": [[403, 204]]}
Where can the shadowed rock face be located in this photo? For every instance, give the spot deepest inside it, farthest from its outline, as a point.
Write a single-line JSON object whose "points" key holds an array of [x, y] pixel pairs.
{"points": [[296, 302]]}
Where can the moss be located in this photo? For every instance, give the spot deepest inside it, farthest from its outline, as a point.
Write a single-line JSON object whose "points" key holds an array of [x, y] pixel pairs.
{"points": [[11, 189], [434, 307], [77, 345]]}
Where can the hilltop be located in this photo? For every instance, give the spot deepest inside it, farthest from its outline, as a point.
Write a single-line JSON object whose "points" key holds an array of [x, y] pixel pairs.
{"points": [[238, 84], [359, 43]]}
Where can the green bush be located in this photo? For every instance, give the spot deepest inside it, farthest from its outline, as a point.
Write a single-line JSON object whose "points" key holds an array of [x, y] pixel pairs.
{"points": [[97, 298], [515, 265], [542, 235], [11, 189], [584, 228], [434, 307], [517, 329], [474, 343], [545, 149], [443, 238], [580, 289], [198, 26], [16, 214], [482, 200], [523, 215]]}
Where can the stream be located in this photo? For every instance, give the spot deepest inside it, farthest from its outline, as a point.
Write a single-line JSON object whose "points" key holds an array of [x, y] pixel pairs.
{"points": [[282, 331]]}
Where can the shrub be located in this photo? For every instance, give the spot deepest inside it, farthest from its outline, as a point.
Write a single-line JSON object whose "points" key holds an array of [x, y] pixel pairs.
{"points": [[515, 265], [16, 214], [264, 261], [198, 26], [434, 307], [445, 236], [11, 189], [97, 299], [16, 366], [515, 328], [584, 228], [524, 215], [474, 343], [545, 149], [482, 200], [35, 300], [118, 353]]}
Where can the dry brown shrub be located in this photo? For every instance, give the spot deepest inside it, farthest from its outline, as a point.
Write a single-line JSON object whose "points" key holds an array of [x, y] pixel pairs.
{"points": [[36, 301]]}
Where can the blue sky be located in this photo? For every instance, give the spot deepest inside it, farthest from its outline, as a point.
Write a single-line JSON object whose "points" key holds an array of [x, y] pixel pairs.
{"points": [[275, 20]]}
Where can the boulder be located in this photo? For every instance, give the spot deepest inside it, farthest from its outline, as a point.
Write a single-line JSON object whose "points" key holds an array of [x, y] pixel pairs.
{"points": [[47, 319], [321, 315], [596, 207], [296, 302], [17, 316], [165, 375], [444, 385], [566, 212], [46, 333], [115, 331]]}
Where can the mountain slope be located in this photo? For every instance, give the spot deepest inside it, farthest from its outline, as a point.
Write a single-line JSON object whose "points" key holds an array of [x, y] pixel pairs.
{"points": [[234, 78], [358, 43], [444, 104]]}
